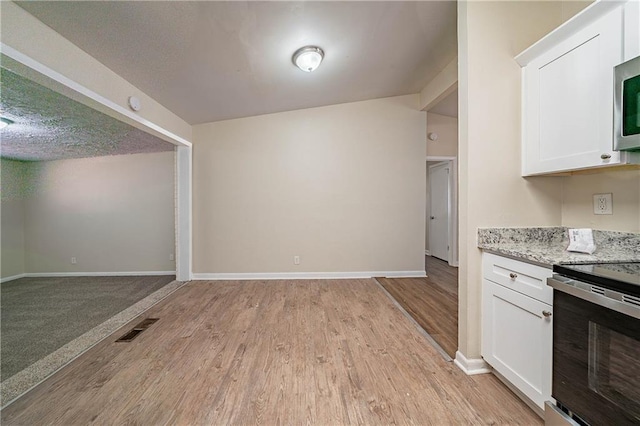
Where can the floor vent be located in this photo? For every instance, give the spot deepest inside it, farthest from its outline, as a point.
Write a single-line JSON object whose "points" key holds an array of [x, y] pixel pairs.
{"points": [[135, 331]]}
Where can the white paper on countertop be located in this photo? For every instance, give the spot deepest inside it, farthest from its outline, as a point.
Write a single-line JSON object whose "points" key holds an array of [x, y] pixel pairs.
{"points": [[581, 241]]}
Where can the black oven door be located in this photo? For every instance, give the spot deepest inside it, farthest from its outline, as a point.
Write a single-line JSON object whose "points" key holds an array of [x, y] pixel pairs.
{"points": [[596, 361]]}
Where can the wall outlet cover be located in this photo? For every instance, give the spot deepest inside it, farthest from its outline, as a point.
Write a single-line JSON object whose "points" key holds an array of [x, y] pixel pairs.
{"points": [[603, 203]]}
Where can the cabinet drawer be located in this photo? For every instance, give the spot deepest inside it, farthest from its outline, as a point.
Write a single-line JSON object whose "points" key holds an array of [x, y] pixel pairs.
{"points": [[525, 278]]}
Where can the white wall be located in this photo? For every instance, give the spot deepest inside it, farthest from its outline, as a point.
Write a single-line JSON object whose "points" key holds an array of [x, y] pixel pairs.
{"points": [[340, 186], [12, 260], [447, 130], [446, 146], [492, 193], [114, 214], [577, 200], [442, 85]]}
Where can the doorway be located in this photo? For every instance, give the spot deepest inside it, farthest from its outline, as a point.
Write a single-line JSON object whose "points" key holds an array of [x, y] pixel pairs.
{"points": [[439, 210], [99, 219], [441, 219]]}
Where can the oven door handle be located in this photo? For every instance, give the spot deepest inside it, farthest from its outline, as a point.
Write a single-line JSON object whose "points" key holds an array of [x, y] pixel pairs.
{"points": [[604, 297]]}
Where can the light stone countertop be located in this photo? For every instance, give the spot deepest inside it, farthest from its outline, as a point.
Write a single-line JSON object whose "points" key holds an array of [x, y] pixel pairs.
{"points": [[547, 245]]}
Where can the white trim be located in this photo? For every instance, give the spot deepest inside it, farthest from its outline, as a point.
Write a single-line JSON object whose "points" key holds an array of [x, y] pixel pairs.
{"points": [[427, 253], [439, 158], [98, 274], [306, 275], [56, 76], [471, 366], [453, 206], [184, 164], [12, 277]]}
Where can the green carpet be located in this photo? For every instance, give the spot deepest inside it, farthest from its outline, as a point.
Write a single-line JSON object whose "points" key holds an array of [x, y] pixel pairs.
{"points": [[40, 315]]}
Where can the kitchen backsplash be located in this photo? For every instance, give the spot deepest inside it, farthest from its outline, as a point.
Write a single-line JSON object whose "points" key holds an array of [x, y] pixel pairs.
{"points": [[577, 200]]}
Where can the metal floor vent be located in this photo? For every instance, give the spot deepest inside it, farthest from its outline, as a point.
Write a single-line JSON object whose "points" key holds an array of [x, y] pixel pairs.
{"points": [[135, 331]]}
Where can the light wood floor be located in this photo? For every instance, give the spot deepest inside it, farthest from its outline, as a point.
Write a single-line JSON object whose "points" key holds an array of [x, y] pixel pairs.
{"points": [[431, 301], [276, 352]]}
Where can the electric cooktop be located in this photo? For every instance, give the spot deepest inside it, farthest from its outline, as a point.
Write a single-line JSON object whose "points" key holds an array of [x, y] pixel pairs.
{"points": [[624, 277]]}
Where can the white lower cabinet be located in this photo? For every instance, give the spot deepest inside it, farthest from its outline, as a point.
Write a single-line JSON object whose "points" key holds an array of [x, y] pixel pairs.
{"points": [[517, 330]]}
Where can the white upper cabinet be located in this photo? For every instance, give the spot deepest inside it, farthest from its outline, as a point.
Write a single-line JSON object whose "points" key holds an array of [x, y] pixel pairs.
{"points": [[567, 96]]}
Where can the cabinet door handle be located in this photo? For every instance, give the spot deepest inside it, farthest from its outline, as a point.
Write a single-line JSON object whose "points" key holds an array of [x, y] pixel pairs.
{"points": [[605, 156], [546, 314], [513, 276]]}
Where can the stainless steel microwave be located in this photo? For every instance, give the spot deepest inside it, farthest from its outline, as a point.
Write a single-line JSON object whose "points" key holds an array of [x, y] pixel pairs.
{"points": [[626, 113]]}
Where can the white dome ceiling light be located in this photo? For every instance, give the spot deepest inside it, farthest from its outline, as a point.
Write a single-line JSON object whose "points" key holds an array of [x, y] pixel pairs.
{"points": [[308, 58]]}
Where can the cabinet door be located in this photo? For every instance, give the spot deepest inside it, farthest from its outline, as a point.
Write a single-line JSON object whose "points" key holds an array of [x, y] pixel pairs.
{"points": [[568, 100], [517, 340]]}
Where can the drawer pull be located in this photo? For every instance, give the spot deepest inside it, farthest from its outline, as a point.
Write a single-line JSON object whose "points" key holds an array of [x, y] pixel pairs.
{"points": [[546, 314], [605, 156], [513, 276]]}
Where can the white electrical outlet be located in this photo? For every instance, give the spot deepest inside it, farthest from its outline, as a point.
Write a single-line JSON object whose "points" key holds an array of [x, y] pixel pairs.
{"points": [[296, 260], [74, 260], [171, 257], [603, 203]]}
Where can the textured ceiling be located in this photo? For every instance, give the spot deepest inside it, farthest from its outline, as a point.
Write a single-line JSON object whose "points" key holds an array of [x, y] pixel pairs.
{"points": [[214, 60], [50, 126]]}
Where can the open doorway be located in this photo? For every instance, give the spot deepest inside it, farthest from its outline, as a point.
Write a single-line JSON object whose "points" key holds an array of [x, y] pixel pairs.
{"points": [[90, 205], [432, 301], [441, 239], [439, 211]]}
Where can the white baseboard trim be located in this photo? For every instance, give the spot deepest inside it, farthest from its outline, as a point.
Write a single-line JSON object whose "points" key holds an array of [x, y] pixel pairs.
{"points": [[471, 366], [97, 274], [11, 278], [427, 253], [306, 275], [401, 274]]}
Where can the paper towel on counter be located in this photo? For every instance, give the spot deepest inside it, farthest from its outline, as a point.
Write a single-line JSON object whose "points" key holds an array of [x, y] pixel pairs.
{"points": [[581, 241]]}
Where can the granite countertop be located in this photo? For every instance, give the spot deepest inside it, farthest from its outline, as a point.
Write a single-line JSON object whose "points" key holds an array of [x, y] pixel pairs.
{"points": [[547, 245]]}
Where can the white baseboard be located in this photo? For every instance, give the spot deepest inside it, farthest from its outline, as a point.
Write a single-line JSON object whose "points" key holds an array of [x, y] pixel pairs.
{"points": [[11, 278], [306, 275], [97, 274], [400, 274], [471, 366], [427, 253]]}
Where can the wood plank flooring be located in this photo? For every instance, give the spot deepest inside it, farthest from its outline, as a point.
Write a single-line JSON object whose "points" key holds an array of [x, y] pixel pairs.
{"points": [[324, 352], [431, 301]]}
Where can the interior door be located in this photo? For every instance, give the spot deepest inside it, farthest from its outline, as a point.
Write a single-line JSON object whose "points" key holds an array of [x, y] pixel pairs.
{"points": [[439, 217]]}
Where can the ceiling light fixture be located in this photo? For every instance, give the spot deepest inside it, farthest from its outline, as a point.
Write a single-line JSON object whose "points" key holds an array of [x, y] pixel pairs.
{"points": [[308, 58], [4, 122]]}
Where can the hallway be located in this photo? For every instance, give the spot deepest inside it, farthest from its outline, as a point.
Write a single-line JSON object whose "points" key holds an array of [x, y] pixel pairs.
{"points": [[431, 301]]}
